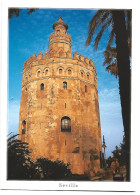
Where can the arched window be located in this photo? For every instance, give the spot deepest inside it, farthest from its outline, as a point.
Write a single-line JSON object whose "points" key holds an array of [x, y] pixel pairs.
{"points": [[58, 31], [88, 76], [64, 85], [42, 86], [38, 73], [65, 124], [69, 72], [46, 71], [82, 74], [85, 88], [60, 71]]}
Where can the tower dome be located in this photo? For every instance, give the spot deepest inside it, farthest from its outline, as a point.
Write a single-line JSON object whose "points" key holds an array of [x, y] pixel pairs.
{"points": [[60, 23]]}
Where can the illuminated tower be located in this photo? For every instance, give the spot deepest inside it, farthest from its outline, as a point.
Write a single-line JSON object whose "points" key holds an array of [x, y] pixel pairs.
{"points": [[59, 110]]}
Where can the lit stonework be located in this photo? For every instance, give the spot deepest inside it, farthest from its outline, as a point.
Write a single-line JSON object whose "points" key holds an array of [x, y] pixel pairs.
{"points": [[59, 109]]}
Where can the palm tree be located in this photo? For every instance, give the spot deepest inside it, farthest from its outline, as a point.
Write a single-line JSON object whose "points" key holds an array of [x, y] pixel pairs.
{"points": [[110, 55], [110, 60], [120, 23], [16, 11]]}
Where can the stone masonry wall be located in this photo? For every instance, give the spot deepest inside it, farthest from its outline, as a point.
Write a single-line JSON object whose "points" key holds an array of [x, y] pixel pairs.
{"points": [[43, 109]]}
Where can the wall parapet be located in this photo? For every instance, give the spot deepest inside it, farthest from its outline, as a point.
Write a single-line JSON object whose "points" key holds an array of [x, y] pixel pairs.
{"points": [[80, 59]]}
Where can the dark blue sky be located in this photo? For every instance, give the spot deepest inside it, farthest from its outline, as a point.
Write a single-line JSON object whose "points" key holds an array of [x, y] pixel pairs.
{"points": [[29, 34]]}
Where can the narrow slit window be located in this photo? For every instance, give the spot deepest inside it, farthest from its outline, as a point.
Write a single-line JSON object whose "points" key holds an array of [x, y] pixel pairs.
{"points": [[42, 86], [85, 88], [23, 127], [88, 76], [64, 85], [82, 74], [23, 131]]}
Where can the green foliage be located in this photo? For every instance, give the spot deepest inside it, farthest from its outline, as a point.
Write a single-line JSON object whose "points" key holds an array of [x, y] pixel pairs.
{"points": [[21, 167], [119, 153], [103, 20], [52, 170], [19, 164], [16, 11]]}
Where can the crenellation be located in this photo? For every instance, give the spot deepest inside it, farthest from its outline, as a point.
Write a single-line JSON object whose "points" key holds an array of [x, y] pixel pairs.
{"points": [[34, 57], [86, 60], [40, 56], [92, 64], [81, 57], [76, 56]]}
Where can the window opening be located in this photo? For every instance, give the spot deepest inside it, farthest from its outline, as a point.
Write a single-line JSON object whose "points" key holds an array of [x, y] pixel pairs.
{"points": [[23, 127], [42, 86], [60, 71], [38, 73], [46, 72], [23, 131], [85, 88], [64, 85], [69, 72], [65, 105], [88, 76], [65, 124], [82, 74]]}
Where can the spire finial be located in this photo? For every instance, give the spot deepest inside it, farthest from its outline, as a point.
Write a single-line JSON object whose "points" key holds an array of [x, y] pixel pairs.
{"points": [[60, 19]]}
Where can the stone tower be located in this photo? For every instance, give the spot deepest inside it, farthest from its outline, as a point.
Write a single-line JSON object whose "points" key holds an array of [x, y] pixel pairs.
{"points": [[59, 109]]}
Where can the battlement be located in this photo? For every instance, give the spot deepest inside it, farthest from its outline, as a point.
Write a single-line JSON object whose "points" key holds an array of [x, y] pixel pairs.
{"points": [[78, 59]]}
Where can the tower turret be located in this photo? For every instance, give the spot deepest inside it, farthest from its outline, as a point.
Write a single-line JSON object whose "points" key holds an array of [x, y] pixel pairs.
{"points": [[59, 41]]}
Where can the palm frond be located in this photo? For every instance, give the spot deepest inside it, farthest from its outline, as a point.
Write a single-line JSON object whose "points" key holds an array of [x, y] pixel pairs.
{"points": [[99, 35], [111, 37], [110, 54], [113, 69], [99, 18]]}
